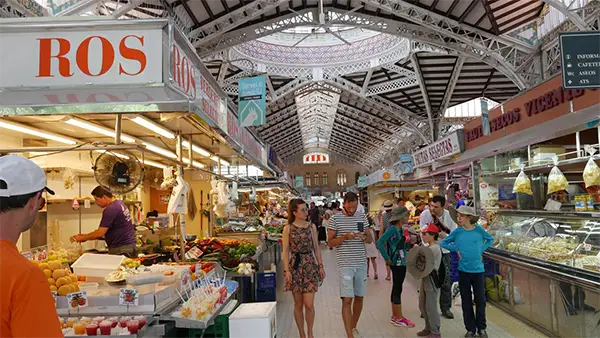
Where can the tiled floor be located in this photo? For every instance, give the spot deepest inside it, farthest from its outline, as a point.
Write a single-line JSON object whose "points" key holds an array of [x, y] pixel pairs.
{"points": [[374, 321]]}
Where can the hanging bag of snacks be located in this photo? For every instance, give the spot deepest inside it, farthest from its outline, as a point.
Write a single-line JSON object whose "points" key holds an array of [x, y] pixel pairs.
{"points": [[556, 180], [522, 184], [591, 173]]}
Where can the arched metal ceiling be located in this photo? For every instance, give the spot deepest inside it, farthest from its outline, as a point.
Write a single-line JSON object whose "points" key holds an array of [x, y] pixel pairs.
{"points": [[366, 111]]}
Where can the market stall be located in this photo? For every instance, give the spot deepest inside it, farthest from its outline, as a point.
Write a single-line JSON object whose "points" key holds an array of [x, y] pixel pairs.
{"points": [[127, 105], [542, 185]]}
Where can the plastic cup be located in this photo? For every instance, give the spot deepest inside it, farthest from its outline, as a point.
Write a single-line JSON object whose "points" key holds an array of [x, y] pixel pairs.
{"points": [[79, 328], [133, 326], [91, 329], [106, 327], [123, 321], [114, 321], [141, 319]]}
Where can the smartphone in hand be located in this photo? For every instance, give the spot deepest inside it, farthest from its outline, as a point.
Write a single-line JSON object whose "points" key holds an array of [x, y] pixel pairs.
{"points": [[361, 227]]}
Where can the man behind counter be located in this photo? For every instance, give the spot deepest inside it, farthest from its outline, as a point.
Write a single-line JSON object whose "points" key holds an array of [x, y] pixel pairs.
{"points": [[116, 226]]}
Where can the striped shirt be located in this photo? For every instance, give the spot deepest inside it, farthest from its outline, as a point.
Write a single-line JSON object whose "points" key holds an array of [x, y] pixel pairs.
{"points": [[351, 253]]}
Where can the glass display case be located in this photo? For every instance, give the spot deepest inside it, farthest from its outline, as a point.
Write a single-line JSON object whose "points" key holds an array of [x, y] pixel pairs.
{"points": [[569, 239]]}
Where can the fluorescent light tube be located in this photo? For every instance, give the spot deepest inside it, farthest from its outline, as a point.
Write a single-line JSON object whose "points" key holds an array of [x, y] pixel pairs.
{"points": [[195, 148], [98, 129], [154, 164], [194, 163], [159, 150], [217, 159], [36, 132], [109, 152], [144, 122]]}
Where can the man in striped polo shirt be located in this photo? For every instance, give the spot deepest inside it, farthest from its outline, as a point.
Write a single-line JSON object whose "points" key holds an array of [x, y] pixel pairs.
{"points": [[347, 234]]}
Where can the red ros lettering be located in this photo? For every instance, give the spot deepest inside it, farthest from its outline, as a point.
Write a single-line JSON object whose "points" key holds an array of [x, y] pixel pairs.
{"points": [[184, 73], [82, 59]]}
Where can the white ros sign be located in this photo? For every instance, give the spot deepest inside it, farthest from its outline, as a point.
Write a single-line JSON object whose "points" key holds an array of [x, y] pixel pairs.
{"points": [[36, 59], [448, 146]]}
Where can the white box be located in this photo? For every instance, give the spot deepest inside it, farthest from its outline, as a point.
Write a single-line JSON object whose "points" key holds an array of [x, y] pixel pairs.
{"points": [[254, 320], [94, 265]]}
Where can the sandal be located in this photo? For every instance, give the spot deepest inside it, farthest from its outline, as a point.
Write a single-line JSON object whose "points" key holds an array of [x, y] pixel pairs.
{"points": [[388, 278], [376, 277]]}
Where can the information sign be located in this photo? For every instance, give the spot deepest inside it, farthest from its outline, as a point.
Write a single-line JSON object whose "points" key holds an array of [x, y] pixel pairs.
{"points": [[580, 53]]}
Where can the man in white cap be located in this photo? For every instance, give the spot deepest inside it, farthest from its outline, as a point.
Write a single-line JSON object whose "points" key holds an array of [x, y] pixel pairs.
{"points": [[26, 305]]}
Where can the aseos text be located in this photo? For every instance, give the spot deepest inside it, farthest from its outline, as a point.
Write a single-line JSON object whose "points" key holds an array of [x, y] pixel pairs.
{"points": [[82, 56]]}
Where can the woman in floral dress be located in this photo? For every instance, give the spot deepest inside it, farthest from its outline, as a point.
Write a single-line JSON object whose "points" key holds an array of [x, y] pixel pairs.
{"points": [[303, 265]]}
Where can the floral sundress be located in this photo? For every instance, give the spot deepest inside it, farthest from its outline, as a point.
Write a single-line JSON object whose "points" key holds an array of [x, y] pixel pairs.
{"points": [[303, 264]]}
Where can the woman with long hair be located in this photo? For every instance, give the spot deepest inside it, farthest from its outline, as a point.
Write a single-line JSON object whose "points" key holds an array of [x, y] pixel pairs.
{"points": [[303, 265]]}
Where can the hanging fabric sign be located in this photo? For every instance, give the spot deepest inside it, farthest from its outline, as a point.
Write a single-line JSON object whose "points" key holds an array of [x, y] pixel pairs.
{"points": [[252, 101]]}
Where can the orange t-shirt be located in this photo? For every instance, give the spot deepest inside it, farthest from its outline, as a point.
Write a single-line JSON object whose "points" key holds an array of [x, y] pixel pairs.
{"points": [[26, 304]]}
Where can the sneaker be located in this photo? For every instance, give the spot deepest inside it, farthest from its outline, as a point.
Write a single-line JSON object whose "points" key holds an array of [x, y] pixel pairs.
{"points": [[469, 334], [482, 334], [355, 333], [423, 333], [402, 322], [448, 314]]}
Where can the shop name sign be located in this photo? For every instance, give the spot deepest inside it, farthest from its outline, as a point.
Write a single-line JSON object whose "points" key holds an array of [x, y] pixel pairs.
{"points": [[188, 79], [70, 58], [448, 146], [549, 100]]}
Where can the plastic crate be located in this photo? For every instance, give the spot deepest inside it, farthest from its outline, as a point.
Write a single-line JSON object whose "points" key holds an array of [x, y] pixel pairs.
{"points": [[95, 265], [266, 280], [266, 295]]}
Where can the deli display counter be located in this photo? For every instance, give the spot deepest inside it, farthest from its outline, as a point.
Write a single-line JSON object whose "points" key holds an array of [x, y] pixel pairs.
{"points": [[548, 266]]}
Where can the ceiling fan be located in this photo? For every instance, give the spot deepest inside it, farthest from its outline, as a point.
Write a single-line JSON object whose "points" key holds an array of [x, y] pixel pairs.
{"points": [[323, 24]]}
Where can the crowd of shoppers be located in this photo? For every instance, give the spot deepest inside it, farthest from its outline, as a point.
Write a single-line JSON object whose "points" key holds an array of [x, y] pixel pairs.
{"points": [[357, 246]]}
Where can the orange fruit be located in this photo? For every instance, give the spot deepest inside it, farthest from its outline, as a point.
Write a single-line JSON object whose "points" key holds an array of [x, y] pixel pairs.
{"points": [[73, 278], [64, 290], [56, 274], [51, 281], [54, 265], [62, 281], [53, 288], [48, 273], [43, 266]]}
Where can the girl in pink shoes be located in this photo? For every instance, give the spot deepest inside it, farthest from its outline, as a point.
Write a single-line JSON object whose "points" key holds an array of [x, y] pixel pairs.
{"points": [[393, 245]]}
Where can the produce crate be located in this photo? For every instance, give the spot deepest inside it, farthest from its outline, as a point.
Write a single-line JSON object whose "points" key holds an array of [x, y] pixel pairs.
{"points": [[266, 280], [220, 329], [266, 295]]}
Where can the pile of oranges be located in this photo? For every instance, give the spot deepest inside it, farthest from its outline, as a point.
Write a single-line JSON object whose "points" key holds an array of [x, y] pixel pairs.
{"points": [[60, 279]]}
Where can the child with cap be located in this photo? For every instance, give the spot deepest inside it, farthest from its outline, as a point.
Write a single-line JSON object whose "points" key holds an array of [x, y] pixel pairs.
{"points": [[429, 291], [469, 241]]}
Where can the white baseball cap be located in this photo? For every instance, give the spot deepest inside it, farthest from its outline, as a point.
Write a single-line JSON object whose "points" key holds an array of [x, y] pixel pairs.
{"points": [[21, 176]]}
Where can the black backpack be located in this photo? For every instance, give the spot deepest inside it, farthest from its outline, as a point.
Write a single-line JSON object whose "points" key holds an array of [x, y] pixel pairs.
{"points": [[439, 276]]}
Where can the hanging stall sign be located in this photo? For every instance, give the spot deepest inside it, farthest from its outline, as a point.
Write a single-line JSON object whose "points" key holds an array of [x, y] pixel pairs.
{"points": [[448, 146], [404, 166], [252, 101], [540, 104], [80, 57], [186, 75], [362, 181]]}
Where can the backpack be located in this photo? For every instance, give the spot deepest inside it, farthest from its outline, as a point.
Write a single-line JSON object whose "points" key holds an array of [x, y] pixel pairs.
{"points": [[439, 276]]}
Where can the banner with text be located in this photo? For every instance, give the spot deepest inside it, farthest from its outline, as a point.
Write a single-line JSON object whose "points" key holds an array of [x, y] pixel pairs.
{"points": [[252, 101]]}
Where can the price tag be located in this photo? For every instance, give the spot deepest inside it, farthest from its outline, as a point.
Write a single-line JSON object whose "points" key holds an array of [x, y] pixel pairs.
{"points": [[193, 253], [87, 204], [185, 279], [54, 295], [587, 247], [198, 271], [77, 300], [39, 253], [129, 297]]}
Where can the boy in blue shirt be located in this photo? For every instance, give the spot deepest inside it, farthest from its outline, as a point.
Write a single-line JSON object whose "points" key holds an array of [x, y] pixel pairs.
{"points": [[469, 241]]}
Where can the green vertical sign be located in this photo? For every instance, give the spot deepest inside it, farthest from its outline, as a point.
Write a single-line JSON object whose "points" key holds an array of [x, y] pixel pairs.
{"points": [[252, 101]]}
